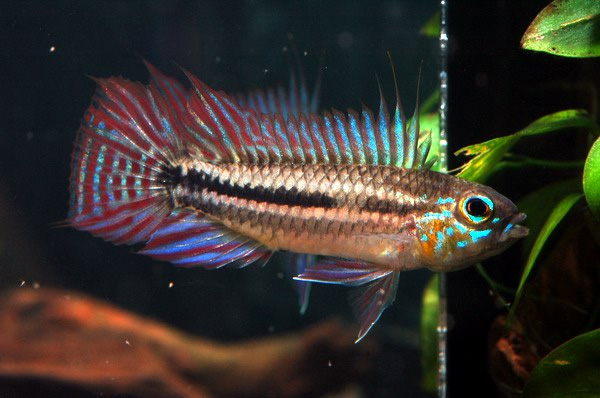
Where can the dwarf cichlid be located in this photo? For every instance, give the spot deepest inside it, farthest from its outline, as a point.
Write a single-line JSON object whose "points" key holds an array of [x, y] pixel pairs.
{"points": [[208, 179]]}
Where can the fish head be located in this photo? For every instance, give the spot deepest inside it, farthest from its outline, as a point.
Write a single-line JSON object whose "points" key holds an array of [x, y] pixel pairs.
{"points": [[468, 226]]}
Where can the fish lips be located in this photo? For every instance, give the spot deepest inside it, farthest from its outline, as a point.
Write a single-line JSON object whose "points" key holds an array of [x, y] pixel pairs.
{"points": [[513, 230]]}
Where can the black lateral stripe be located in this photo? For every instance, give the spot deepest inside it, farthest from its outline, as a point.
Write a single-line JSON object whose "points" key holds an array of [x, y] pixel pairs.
{"points": [[197, 180]]}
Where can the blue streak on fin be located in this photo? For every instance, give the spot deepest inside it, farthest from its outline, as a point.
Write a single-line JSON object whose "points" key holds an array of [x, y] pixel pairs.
{"points": [[188, 239]]}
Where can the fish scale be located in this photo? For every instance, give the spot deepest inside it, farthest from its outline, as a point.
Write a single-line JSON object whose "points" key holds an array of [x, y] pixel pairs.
{"points": [[280, 221]]}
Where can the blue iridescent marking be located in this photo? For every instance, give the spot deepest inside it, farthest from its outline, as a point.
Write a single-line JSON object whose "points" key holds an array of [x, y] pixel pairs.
{"points": [[194, 242], [181, 226], [343, 135], [442, 201], [227, 115], [430, 215], [440, 242], [224, 135], [304, 132], [138, 178], [438, 216], [476, 235], [371, 142], [265, 131], [128, 166], [99, 164], [495, 220], [201, 258], [109, 184], [250, 150], [383, 132], [167, 128], [357, 139], [399, 134], [283, 143], [424, 238], [292, 129], [450, 231], [462, 243], [317, 136], [332, 140], [461, 228]]}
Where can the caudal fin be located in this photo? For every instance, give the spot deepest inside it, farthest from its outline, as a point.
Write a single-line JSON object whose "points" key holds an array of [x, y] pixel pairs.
{"points": [[125, 146]]}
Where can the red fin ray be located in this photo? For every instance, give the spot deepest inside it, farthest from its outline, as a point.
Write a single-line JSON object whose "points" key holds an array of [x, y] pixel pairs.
{"points": [[369, 302], [127, 139]]}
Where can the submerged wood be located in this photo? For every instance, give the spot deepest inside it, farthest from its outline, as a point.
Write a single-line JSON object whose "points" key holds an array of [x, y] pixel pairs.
{"points": [[57, 341]]}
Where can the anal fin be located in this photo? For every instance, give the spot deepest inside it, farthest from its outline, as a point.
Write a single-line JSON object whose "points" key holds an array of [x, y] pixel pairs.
{"points": [[190, 239]]}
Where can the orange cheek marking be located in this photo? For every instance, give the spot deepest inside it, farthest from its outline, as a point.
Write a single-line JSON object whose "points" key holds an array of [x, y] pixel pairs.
{"points": [[428, 246]]}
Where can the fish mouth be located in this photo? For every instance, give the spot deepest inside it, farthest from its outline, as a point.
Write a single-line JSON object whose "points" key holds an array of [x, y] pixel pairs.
{"points": [[513, 230]]}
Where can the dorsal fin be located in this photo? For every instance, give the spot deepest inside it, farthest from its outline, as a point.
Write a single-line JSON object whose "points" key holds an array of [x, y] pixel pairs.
{"points": [[239, 134]]}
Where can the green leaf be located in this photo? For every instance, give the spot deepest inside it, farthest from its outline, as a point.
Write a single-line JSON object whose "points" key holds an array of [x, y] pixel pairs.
{"points": [[432, 26], [555, 217], [539, 204], [571, 370], [429, 343], [591, 179], [489, 153], [569, 28]]}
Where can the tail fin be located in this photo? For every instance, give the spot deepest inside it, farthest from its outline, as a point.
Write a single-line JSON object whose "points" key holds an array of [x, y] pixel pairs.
{"points": [[127, 142]]}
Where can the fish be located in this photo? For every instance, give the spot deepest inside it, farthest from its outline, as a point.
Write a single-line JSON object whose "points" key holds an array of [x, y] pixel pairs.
{"points": [[205, 178]]}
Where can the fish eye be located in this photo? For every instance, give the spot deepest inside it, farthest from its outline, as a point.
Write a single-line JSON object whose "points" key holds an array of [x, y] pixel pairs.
{"points": [[477, 208]]}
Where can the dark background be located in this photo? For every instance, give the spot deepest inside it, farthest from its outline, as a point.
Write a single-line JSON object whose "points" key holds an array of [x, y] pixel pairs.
{"points": [[495, 89]]}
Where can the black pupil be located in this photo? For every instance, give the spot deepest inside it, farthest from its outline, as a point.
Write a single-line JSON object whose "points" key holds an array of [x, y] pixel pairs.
{"points": [[477, 207]]}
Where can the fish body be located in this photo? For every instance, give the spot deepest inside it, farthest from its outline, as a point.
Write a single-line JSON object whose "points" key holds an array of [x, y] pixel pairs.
{"points": [[206, 180]]}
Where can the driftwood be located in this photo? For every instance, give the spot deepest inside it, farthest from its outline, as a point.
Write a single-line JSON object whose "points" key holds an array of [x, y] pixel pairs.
{"points": [[53, 341]]}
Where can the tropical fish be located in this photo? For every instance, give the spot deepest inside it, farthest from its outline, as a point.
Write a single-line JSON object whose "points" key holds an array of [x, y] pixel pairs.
{"points": [[207, 179]]}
